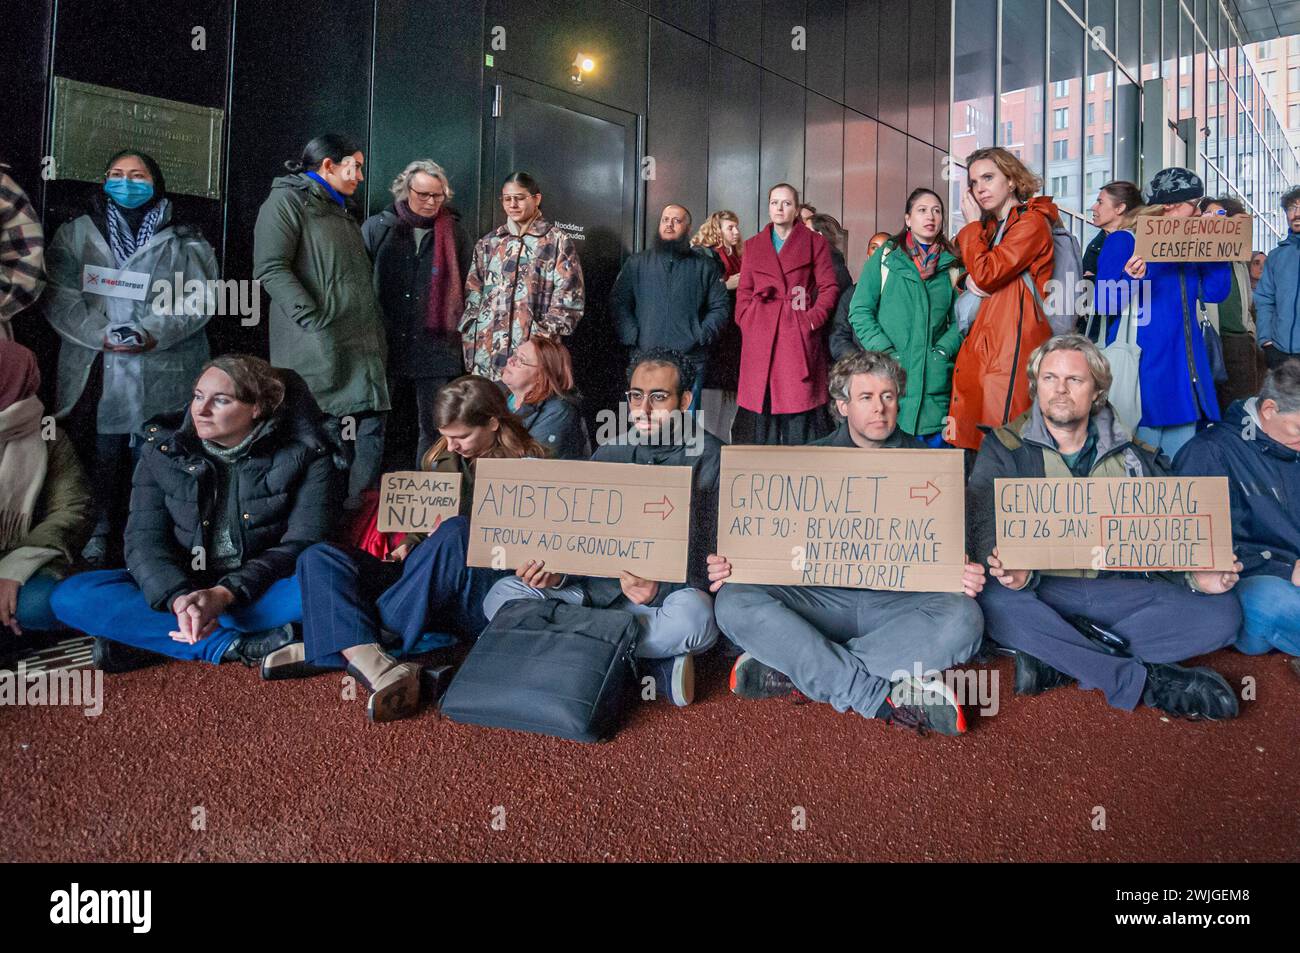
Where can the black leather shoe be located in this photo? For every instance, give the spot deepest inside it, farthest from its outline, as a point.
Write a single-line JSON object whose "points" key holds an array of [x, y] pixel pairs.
{"points": [[434, 680], [1192, 693], [251, 647], [115, 657], [1034, 676]]}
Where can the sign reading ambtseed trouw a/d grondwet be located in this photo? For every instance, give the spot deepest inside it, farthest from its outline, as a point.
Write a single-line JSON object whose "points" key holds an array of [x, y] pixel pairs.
{"points": [[1134, 524], [830, 516], [591, 519]]}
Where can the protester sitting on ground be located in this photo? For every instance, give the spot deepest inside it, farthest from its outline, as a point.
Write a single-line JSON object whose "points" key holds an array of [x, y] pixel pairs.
{"points": [[677, 618], [847, 646], [227, 493], [45, 502], [539, 375], [367, 614], [1072, 431], [1257, 447]]}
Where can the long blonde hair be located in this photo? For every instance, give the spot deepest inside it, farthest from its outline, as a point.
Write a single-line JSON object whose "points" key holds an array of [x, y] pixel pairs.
{"points": [[710, 233]]}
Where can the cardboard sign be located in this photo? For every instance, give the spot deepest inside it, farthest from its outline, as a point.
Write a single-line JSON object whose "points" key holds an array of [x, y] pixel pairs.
{"points": [[1208, 238], [112, 283], [832, 516], [417, 501], [591, 519], [1138, 524]]}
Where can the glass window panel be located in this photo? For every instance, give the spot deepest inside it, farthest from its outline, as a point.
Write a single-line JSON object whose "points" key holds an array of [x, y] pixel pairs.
{"points": [[974, 78], [1128, 133], [1024, 26], [1065, 65], [1128, 35]]}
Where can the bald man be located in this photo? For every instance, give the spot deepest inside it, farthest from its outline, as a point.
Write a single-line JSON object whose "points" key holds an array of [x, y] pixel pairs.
{"points": [[672, 295]]}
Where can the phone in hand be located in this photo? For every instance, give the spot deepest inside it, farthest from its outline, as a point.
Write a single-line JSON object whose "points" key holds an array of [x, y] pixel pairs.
{"points": [[125, 335]]}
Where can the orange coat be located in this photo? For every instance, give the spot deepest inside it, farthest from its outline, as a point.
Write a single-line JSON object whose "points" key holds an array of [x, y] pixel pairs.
{"points": [[989, 382]]}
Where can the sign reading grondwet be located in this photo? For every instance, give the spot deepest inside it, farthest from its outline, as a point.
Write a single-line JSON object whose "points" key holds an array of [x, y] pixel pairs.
{"points": [[834, 516], [91, 123]]}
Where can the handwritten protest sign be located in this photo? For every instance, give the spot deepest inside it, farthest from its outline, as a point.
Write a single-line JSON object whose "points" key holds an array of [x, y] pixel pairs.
{"points": [[1209, 238], [417, 501], [1139, 524], [592, 519], [831, 516]]}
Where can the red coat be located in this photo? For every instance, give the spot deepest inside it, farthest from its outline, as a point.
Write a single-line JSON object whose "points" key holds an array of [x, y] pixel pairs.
{"points": [[989, 381], [783, 347]]}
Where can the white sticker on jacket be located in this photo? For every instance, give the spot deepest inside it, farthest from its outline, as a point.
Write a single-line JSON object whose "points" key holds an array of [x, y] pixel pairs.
{"points": [[112, 283]]}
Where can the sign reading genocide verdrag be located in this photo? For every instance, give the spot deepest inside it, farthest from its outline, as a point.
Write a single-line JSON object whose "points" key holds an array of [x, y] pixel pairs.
{"points": [[1198, 238], [417, 501], [831, 516], [591, 519], [1138, 524]]}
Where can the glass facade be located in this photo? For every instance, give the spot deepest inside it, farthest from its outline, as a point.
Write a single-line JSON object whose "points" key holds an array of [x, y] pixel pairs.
{"points": [[1060, 84]]}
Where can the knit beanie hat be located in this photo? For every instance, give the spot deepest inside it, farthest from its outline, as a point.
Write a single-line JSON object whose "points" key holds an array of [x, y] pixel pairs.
{"points": [[1174, 185]]}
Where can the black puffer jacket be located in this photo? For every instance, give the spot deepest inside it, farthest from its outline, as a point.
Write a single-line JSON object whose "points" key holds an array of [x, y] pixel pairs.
{"points": [[556, 423], [286, 487]]}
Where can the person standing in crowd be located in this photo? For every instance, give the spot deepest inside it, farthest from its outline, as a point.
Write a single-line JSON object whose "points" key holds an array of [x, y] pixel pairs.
{"points": [[1257, 447], [1277, 301], [539, 375], [228, 492], [1257, 259], [45, 502], [1234, 319], [876, 241], [124, 359], [1174, 372], [22, 253], [720, 235], [1005, 246], [855, 648], [1055, 619], [1114, 209], [829, 228], [365, 613], [325, 323], [526, 278], [786, 297], [806, 213], [677, 618], [903, 307], [671, 296], [421, 254]]}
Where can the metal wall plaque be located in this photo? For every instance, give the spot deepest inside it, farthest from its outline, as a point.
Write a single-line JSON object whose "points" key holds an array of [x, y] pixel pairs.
{"points": [[90, 123]]}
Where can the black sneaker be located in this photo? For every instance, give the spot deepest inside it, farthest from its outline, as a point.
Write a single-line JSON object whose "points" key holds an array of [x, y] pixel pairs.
{"points": [[251, 647], [923, 706], [751, 679], [115, 657], [674, 678], [1034, 676], [1192, 693]]}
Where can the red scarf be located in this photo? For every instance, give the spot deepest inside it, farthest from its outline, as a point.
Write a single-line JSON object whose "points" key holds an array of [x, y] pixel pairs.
{"points": [[446, 294], [925, 261], [730, 263]]}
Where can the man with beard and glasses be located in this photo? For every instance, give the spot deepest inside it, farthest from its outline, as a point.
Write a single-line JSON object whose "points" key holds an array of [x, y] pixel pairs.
{"points": [[1121, 632], [671, 296]]}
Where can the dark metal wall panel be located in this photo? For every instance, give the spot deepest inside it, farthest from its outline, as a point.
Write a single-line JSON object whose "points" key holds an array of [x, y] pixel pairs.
{"points": [[861, 56], [25, 51], [826, 48], [693, 16], [893, 182], [782, 137], [920, 70], [920, 165], [894, 77], [679, 113], [942, 71], [824, 155], [738, 27], [734, 102], [780, 19], [860, 143]]}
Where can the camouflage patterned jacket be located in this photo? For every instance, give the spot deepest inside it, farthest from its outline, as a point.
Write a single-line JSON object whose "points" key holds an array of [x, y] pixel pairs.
{"points": [[519, 282]]}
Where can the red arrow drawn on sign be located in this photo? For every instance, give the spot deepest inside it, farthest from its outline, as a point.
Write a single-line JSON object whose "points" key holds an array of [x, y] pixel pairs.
{"points": [[655, 507], [926, 491]]}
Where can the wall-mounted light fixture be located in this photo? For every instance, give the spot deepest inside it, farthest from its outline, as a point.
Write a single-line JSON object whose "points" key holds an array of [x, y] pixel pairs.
{"points": [[582, 65]]}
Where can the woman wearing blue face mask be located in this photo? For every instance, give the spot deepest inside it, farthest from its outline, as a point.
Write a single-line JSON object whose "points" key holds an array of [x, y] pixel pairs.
{"points": [[129, 293]]}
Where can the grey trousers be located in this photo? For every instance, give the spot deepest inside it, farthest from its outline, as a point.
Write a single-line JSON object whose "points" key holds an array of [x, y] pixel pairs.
{"points": [[845, 646], [683, 625]]}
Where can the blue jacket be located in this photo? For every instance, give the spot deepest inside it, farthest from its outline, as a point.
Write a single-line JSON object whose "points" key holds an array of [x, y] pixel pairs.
{"points": [[1277, 310], [1177, 384], [1263, 485]]}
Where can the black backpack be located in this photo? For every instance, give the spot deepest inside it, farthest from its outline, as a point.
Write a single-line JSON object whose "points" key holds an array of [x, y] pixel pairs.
{"points": [[548, 667]]}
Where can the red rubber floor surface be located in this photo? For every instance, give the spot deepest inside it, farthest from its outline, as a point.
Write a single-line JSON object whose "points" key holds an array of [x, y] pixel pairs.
{"points": [[288, 771]]}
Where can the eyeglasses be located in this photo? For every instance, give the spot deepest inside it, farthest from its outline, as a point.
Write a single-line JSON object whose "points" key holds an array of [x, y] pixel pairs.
{"points": [[658, 398], [1293, 209], [428, 196], [516, 359]]}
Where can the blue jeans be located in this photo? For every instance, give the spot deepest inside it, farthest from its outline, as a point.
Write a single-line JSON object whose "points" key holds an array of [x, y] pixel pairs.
{"points": [[1271, 606], [34, 613], [1169, 440], [110, 605]]}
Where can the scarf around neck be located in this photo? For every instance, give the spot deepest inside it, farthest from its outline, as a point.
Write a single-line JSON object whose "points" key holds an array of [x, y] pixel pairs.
{"points": [[125, 241], [926, 260], [23, 464], [446, 298]]}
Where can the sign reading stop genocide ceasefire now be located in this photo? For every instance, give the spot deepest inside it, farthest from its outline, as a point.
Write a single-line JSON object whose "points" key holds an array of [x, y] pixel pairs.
{"points": [[1130, 524], [836, 516], [1198, 238], [591, 519]]}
